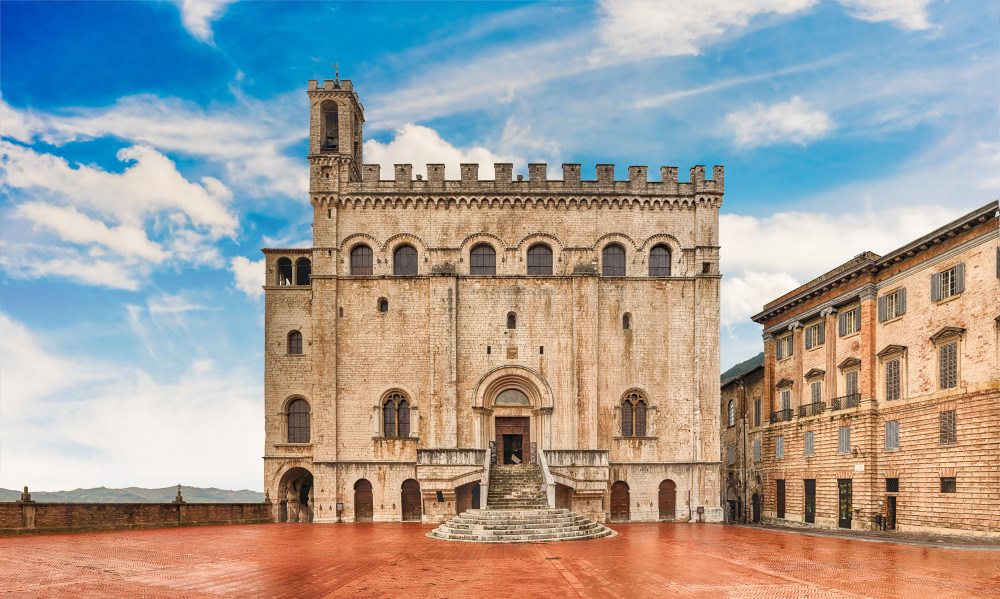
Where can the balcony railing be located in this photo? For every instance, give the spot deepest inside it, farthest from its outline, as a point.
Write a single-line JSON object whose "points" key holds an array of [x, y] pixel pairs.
{"points": [[811, 409], [845, 402], [781, 416]]}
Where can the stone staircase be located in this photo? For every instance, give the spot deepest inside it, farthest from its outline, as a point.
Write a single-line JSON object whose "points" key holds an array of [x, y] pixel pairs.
{"points": [[517, 512]]}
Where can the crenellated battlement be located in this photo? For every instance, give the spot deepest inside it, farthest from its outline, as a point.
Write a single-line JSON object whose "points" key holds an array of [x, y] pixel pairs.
{"points": [[503, 181]]}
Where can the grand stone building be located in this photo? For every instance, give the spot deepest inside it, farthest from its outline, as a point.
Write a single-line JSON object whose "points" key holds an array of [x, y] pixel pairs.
{"points": [[436, 325]]}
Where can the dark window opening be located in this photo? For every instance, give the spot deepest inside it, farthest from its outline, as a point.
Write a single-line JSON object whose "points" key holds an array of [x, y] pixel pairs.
{"points": [[396, 416], [634, 416], [540, 259], [383, 305], [341, 312], [511, 320], [627, 321], [541, 349], [892, 485], [331, 127], [613, 261], [284, 271], [706, 267], [489, 349], [948, 484], [295, 343], [404, 261], [361, 260], [483, 260], [659, 261], [298, 421], [303, 270]]}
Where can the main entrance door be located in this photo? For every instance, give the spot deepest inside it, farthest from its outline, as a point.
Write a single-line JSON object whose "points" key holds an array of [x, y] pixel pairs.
{"points": [[363, 503], [844, 488], [810, 484], [410, 498], [668, 500], [620, 502], [513, 438]]}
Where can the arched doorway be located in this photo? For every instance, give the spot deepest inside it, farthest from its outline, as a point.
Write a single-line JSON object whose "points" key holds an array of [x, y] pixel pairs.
{"points": [[619, 502], [756, 507], [467, 497], [295, 495], [411, 500], [364, 505], [668, 500]]}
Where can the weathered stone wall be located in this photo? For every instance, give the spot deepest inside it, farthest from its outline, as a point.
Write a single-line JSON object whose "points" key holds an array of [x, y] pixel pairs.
{"points": [[34, 517]]}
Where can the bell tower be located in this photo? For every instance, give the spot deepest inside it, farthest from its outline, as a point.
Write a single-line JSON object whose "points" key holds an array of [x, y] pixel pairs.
{"points": [[336, 118]]}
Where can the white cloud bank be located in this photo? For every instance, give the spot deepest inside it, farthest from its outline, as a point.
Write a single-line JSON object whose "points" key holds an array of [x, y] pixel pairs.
{"points": [[250, 276], [794, 121], [418, 145]]}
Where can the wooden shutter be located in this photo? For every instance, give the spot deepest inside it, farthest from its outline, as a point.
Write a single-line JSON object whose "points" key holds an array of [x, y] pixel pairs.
{"points": [[901, 302], [822, 333], [791, 345], [844, 439], [842, 324], [960, 278], [809, 338], [627, 419], [882, 309], [857, 319], [935, 287]]}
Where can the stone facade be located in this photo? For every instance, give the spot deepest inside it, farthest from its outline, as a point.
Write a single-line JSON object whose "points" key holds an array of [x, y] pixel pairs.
{"points": [[347, 332], [900, 390], [743, 408]]}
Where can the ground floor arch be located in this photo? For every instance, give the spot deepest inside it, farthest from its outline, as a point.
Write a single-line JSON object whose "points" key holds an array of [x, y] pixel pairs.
{"points": [[668, 500], [364, 504], [410, 500], [620, 500], [295, 492], [468, 497]]}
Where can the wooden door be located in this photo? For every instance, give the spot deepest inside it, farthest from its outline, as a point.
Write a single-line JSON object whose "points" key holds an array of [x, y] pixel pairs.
{"points": [[619, 502], [668, 500], [410, 499], [890, 512], [844, 491], [506, 426], [476, 490], [756, 508], [810, 484], [780, 494], [363, 503]]}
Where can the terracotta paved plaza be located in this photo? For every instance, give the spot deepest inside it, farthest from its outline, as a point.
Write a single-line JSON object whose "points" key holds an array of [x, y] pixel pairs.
{"points": [[396, 560]]}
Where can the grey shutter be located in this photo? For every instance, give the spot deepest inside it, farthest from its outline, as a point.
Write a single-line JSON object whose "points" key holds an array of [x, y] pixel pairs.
{"points": [[882, 317], [822, 333], [809, 338], [791, 344], [842, 324], [857, 319], [902, 301], [960, 278], [936, 287]]}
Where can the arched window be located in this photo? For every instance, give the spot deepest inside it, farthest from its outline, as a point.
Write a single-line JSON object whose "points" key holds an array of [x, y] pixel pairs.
{"points": [[361, 260], [331, 127], [295, 343], [298, 421], [539, 259], [626, 321], [396, 416], [732, 413], [511, 320], [613, 261], [483, 260], [634, 416], [303, 269], [383, 304], [659, 261], [404, 261], [284, 271]]}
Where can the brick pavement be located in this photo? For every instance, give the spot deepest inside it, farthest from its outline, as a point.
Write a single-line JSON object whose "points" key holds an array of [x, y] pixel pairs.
{"points": [[396, 560]]}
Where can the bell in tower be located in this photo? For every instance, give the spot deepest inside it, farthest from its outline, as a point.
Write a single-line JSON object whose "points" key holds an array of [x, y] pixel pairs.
{"points": [[335, 134]]}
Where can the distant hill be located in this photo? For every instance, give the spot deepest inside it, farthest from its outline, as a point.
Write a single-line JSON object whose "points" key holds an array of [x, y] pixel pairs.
{"points": [[138, 495], [742, 367]]}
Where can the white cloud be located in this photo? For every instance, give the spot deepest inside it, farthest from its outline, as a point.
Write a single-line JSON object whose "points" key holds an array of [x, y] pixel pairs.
{"points": [[418, 145], [793, 121], [907, 14], [71, 225], [643, 28], [743, 295], [198, 15], [250, 276], [66, 421]]}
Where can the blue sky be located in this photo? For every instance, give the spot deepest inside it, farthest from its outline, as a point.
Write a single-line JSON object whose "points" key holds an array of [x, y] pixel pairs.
{"points": [[151, 148]]}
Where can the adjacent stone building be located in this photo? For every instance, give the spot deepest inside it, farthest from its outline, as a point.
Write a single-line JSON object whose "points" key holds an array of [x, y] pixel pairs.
{"points": [[742, 409], [882, 382], [435, 325]]}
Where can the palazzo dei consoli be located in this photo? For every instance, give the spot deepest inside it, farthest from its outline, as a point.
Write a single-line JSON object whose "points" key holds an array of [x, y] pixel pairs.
{"points": [[437, 328]]}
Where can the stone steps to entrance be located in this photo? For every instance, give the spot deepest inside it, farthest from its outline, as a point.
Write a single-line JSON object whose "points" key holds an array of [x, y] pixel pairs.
{"points": [[517, 511]]}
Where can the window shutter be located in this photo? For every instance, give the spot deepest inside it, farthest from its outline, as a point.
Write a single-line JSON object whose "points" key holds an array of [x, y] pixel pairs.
{"points": [[935, 287], [960, 278], [857, 319], [822, 333], [901, 303], [842, 324], [809, 338], [627, 419], [791, 346], [882, 309]]}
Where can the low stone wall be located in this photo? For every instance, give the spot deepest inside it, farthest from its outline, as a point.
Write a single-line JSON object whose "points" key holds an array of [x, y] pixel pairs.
{"points": [[35, 517]]}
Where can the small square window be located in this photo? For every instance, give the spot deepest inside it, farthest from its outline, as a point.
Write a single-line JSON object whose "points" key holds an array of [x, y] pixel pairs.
{"points": [[892, 485], [948, 484]]}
